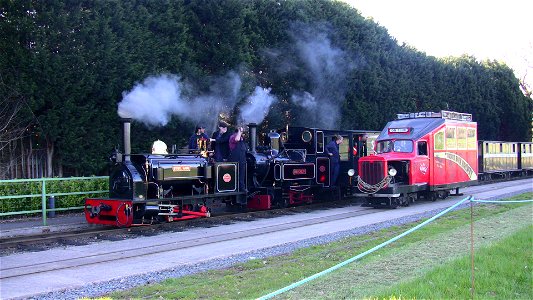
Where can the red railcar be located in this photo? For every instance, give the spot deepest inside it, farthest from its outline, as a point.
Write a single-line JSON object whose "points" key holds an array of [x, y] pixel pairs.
{"points": [[424, 154]]}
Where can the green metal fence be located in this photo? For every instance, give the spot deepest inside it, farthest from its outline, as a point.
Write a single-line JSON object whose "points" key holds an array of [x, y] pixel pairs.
{"points": [[44, 194]]}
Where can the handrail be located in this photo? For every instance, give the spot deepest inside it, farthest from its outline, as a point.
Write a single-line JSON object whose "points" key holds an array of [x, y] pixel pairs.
{"points": [[44, 194]]}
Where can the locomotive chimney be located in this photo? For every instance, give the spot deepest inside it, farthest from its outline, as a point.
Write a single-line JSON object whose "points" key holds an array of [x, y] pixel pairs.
{"points": [[127, 138], [253, 136]]}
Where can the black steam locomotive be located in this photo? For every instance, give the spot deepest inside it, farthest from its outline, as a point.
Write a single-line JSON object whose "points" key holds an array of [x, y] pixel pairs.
{"points": [[290, 168]]}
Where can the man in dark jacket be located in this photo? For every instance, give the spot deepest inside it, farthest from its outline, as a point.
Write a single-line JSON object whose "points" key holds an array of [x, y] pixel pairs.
{"points": [[238, 150], [332, 149], [199, 139], [220, 142]]}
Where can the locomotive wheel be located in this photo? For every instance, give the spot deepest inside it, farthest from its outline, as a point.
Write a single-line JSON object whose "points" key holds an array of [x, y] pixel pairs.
{"points": [[404, 200], [431, 196]]}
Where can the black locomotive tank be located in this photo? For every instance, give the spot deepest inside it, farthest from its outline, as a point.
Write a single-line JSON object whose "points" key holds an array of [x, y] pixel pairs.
{"points": [[149, 176]]}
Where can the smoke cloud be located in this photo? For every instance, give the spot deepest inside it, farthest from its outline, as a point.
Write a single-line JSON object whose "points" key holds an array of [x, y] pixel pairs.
{"points": [[310, 60], [158, 98], [328, 68], [323, 69], [304, 99], [153, 101], [257, 106]]}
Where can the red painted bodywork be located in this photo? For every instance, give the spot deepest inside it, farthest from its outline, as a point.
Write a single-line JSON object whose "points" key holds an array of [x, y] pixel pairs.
{"points": [[260, 202], [446, 171], [112, 212], [297, 197], [440, 167]]}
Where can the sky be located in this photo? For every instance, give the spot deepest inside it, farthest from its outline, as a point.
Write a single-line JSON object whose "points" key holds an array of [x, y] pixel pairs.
{"points": [[486, 29]]}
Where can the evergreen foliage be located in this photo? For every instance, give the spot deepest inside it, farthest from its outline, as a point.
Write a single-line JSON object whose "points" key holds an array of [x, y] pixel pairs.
{"points": [[71, 61]]}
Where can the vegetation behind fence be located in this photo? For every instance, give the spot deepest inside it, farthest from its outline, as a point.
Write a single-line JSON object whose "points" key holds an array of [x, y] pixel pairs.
{"points": [[27, 195]]}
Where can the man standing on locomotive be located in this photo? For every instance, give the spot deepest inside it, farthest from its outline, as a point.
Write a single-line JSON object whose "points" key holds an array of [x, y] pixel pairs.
{"points": [[238, 150], [199, 139], [332, 149], [220, 142]]}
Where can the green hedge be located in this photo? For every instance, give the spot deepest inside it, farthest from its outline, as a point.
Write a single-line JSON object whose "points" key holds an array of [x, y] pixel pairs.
{"points": [[52, 186]]}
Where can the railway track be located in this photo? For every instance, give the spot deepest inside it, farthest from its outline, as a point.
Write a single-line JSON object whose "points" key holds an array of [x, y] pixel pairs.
{"points": [[41, 242], [103, 257]]}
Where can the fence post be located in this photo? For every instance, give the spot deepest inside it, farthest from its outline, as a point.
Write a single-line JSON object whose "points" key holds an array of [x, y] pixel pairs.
{"points": [[51, 206], [43, 200]]}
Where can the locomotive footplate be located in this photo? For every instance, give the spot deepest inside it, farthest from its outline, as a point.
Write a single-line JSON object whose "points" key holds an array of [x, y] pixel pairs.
{"points": [[297, 195], [109, 212]]}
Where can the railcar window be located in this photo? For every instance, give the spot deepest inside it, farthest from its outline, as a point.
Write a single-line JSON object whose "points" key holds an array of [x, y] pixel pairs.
{"points": [[501, 148], [461, 138], [514, 148], [471, 139], [451, 140], [422, 148], [405, 146], [439, 140], [529, 148]]}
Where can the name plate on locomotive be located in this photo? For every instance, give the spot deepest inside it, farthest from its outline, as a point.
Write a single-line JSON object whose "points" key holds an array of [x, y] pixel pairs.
{"points": [[181, 169], [298, 171], [167, 171]]}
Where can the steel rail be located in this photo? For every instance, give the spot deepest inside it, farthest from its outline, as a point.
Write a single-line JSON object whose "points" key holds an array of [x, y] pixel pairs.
{"points": [[135, 252]]}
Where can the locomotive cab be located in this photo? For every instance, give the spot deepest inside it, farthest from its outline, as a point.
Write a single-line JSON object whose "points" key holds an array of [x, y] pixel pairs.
{"points": [[357, 144]]}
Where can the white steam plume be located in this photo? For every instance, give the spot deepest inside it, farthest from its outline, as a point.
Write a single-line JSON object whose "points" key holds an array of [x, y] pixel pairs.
{"points": [[153, 101], [158, 98], [257, 106]]}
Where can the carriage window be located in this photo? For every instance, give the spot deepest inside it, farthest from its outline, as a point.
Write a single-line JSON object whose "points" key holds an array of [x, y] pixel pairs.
{"points": [[344, 149], [422, 148], [514, 148], [355, 146], [501, 148]]}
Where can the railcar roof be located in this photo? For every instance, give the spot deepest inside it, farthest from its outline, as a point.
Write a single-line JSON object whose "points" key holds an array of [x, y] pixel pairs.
{"points": [[418, 128]]}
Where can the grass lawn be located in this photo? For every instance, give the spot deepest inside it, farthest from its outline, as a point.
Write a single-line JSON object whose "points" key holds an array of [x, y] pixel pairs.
{"points": [[502, 271], [408, 268]]}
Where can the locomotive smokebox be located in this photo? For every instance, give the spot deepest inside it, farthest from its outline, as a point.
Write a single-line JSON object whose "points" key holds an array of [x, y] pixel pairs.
{"points": [[253, 136], [127, 138]]}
